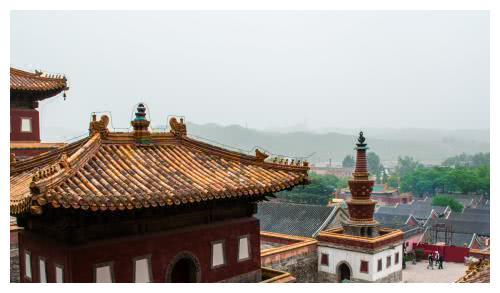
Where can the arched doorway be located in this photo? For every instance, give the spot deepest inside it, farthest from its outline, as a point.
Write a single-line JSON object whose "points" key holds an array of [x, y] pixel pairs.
{"points": [[184, 271], [184, 268], [343, 272]]}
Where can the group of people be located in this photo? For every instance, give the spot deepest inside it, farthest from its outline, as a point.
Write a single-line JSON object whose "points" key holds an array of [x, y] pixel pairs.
{"points": [[435, 259]]}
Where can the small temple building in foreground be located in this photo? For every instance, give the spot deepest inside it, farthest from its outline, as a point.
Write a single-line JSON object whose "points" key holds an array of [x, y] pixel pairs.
{"points": [[144, 206], [360, 250], [26, 90]]}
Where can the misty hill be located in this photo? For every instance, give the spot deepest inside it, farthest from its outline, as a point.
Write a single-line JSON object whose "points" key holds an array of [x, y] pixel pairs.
{"points": [[427, 146]]}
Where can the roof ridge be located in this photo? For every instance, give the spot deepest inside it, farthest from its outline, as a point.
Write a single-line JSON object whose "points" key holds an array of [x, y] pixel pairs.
{"points": [[33, 162], [60, 170], [258, 159], [56, 172], [55, 77]]}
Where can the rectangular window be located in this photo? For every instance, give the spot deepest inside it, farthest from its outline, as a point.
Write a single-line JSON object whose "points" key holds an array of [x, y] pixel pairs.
{"points": [[25, 124], [396, 258], [59, 274], [27, 264], [42, 270], [388, 264], [103, 273], [244, 248], [324, 259], [218, 254], [142, 269], [363, 266], [379, 265]]}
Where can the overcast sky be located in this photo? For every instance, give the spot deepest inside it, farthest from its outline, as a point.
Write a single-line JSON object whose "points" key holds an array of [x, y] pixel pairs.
{"points": [[262, 69]]}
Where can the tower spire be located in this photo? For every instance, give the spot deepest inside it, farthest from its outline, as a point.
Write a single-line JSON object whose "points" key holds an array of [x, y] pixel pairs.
{"points": [[361, 206]]}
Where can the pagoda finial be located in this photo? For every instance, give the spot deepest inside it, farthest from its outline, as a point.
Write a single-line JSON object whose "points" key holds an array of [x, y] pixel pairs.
{"points": [[361, 138], [140, 125]]}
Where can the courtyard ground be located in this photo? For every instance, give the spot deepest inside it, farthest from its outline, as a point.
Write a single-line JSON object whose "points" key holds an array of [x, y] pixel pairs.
{"points": [[419, 273]]}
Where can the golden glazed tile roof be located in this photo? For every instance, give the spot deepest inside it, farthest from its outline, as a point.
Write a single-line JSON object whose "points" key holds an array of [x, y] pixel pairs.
{"points": [[112, 171], [28, 81], [478, 272]]}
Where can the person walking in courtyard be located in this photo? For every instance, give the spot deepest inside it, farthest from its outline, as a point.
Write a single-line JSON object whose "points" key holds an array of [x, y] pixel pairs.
{"points": [[431, 260], [436, 258], [440, 260]]}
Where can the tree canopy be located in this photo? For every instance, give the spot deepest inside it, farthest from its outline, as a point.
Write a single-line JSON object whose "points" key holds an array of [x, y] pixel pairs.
{"points": [[444, 200], [319, 191], [465, 160], [434, 180], [348, 162]]}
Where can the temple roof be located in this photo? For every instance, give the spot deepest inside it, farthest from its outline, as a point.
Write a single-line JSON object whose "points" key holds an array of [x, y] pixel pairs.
{"points": [[478, 272], [293, 219], [38, 82], [130, 170]]}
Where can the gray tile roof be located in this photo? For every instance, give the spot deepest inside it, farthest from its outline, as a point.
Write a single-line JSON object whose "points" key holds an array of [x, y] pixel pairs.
{"points": [[420, 209], [469, 217], [480, 228], [390, 220], [291, 218], [454, 238]]}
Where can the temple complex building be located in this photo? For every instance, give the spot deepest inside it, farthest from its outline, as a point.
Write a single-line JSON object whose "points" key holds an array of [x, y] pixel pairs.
{"points": [[361, 250], [26, 90], [145, 206]]}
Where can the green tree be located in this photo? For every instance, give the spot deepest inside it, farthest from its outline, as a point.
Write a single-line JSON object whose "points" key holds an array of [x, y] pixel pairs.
{"points": [[319, 191], [393, 181], [465, 160], [443, 200], [406, 165], [373, 161], [348, 162], [385, 177]]}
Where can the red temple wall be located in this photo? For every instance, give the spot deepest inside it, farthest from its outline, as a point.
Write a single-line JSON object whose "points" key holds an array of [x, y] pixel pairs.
{"points": [[15, 125], [163, 247], [450, 253]]}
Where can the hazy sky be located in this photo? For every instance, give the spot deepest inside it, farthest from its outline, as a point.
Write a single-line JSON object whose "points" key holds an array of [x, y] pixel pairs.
{"points": [[263, 69]]}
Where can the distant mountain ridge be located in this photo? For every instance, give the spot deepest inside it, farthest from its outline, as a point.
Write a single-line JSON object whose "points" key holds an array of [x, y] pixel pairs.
{"points": [[428, 146], [412, 142]]}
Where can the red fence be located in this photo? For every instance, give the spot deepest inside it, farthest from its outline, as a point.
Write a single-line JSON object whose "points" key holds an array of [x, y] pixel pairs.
{"points": [[450, 253]]}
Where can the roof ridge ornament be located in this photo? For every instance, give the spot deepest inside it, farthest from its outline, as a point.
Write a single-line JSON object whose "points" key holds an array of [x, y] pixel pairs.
{"points": [[177, 128], [260, 156], [142, 136], [100, 126]]}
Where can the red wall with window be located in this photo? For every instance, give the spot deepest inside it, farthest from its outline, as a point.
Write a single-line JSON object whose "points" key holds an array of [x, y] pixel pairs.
{"points": [[15, 125], [79, 260]]}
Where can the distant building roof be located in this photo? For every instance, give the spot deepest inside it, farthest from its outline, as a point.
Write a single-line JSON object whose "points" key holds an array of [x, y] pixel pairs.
{"points": [[390, 220], [469, 217], [419, 209], [293, 219], [478, 227]]}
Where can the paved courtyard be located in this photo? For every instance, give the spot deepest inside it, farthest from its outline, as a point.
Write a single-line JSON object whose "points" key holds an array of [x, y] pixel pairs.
{"points": [[419, 273]]}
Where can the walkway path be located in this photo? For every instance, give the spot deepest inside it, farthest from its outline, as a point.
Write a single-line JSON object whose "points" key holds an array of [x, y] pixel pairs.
{"points": [[419, 273]]}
